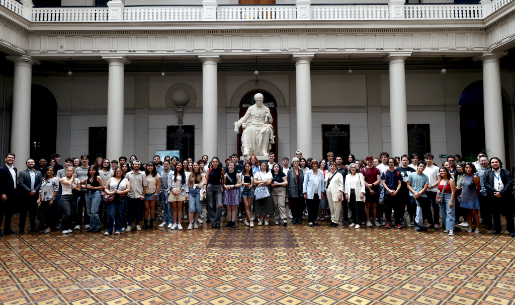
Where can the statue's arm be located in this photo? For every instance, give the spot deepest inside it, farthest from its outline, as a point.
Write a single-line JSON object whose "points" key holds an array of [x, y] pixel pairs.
{"points": [[241, 121], [269, 117]]}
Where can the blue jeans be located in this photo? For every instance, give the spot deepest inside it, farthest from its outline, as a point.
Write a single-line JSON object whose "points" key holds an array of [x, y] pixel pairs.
{"points": [[115, 215], [134, 210], [92, 205], [214, 199], [194, 204], [448, 213], [167, 208]]}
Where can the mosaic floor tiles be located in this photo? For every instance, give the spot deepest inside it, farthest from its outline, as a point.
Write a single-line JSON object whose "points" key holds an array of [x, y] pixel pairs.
{"points": [[263, 265]]}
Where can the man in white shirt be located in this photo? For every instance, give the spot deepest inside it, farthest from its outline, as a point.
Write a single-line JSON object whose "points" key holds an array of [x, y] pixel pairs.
{"points": [[477, 164], [29, 183], [432, 172], [271, 160], [414, 161], [383, 158], [286, 165], [205, 158]]}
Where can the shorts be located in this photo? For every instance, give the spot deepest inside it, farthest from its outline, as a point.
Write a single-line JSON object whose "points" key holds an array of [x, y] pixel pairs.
{"points": [[249, 193], [372, 198], [172, 197], [150, 196]]}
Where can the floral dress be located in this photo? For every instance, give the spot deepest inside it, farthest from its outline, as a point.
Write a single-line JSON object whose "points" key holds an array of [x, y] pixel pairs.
{"points": [[48, 188]]}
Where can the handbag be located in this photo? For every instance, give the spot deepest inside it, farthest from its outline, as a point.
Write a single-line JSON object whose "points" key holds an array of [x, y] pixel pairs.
{"points": [[261, 191], [110, 198], [439, 195]]}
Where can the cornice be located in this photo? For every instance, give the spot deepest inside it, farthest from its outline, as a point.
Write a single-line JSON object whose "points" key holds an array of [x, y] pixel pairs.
{"points": [[14, 19], [501, 14]]}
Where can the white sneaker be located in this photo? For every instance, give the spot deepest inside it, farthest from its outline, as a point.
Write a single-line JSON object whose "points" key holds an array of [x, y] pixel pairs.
{"points": [[446, 231], [266, 222], [251, 224], [86, 227], [138, 228], [464, 224], [306, 212], [123, 229], [170, 226], [260, 222], [291, 216], [195, 226], [200, 221], [377, 224], [246, 222], [352, 225], [369, 224], [276, 222], [179, 227], [184, 216], [190, 226], [201, 216], [451, 233], [174, 226], [128, 229], [476, 231], [164, 224], [469, 230], [77, 227], [357, 227]]}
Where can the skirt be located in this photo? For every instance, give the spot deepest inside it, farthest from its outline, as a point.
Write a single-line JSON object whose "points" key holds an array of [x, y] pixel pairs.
{"points": [[172, 197], [471, 205], [324, 204], [264, 206], [150, 196], [231, 197]]}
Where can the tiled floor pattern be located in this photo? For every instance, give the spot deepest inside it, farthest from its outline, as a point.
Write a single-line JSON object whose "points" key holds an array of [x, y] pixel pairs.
{"points": [[263, 265]]}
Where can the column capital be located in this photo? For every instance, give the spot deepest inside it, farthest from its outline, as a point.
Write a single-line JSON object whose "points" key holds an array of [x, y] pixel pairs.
{"points": [[23, 60], [209, 59], [397, 55], [303, 57], [117, 59], [490, 56]]}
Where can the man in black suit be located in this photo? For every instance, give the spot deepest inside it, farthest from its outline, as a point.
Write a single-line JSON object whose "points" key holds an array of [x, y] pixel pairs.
{"points": [[29, 182], [499, 189], [8, 181]]}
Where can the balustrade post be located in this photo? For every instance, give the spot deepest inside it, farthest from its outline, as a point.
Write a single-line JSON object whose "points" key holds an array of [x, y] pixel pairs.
{"points": [[486, 6], [26, 10], [210, 8], [303, 9], [396, 9], [116, 10]]}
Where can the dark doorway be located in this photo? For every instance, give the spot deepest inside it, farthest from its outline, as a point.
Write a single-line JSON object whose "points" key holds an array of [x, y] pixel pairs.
{"points": [[43, 122], [269, 101]]}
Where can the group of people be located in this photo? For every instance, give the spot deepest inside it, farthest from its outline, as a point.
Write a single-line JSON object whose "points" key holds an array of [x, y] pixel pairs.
{"points": [[384, 192]]}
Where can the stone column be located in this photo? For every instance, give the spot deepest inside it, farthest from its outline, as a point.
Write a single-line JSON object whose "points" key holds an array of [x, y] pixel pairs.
{"points": [[494, 126], [20, 128], [304, 116], [398, 112], [115, 106], [210, 105]]}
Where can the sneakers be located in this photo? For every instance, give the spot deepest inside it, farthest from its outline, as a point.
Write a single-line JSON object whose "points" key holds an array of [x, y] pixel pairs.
{"points": [[369, 224], [352, 225], [437, 227], [164, 224], [266, 222], [200, 221], [377, 224], [451, 233], [195, 226], [77, 227], [399, 226], [285, 223], [469, 230], [179, 227], [246, 222], [138, 228], [383, 222], [276, 222], [173, 226], [190, 226], [260, 222], [357, 227], [464, 224], [251, 224], [387, 225], [305, 212], [86, 227], [476, 231], [446, 231], [128, 229], [116, 233], [106, 234], [170, 226], [291, 216]]}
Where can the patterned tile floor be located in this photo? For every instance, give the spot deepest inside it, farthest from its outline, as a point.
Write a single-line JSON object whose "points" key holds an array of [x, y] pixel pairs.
{"points": [[263, 265]]}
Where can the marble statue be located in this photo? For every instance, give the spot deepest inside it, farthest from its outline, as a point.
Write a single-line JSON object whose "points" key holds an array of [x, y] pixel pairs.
{"points": [[258, 134]]}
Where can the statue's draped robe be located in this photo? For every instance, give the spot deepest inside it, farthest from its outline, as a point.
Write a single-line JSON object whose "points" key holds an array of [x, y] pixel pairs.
{"points": [[258, 134]]}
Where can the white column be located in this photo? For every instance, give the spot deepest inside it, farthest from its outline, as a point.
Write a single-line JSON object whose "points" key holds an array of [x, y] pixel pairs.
{"points": [[20, 128], [304, 117], [398, 112], [494, 126], [210, 105], [115, 106]]}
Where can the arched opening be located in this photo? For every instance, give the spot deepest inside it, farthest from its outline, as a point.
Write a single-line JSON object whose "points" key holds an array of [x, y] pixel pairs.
{"points": [[472, 122], [43, 122], [270, 102]]}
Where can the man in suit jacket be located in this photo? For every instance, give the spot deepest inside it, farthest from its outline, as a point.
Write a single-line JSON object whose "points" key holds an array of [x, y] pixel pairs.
{"points": [[499, 189], [8, 182], [29, 183]]}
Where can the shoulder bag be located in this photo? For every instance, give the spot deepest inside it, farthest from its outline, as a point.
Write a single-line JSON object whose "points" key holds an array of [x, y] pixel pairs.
{"points": [[110, 198], [439, 194], [261, 191]]}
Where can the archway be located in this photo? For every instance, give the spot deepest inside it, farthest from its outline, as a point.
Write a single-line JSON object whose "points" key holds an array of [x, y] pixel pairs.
{"points": [[43, 123], [270, 102], [472, 122]]}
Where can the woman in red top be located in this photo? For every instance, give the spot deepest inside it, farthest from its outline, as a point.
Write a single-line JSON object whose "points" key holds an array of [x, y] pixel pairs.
{"points": [[447, 191]]}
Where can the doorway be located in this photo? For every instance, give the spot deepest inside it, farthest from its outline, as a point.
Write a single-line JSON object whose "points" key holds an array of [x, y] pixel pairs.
{"points": [[270, 102], [43, 123]]}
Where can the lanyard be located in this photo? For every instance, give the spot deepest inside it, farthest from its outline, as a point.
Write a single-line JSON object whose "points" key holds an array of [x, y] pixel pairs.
{"points": [[498, 177]]}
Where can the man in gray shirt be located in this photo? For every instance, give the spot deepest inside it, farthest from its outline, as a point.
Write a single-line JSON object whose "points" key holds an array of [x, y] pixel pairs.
{"points": [[138, 182], [82, 174]]}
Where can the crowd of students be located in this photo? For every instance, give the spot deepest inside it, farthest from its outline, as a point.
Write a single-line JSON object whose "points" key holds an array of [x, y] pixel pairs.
{"points": [[389, 192]]}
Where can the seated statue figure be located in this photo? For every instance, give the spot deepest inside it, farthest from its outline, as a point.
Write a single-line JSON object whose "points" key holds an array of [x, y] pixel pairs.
{"points": [[258, 134]]}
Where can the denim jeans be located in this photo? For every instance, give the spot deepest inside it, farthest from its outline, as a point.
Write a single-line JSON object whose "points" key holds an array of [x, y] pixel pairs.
{"points": [[423, 209], [134, 210], [214, 198], [69, 206], [167, 208], [448, 213], [194, 203], [115, 215], [92, 205]]}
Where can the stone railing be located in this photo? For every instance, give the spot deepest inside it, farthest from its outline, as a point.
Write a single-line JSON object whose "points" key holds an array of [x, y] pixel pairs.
{"points": [[163, 13], [497, 4], [441, 11], [256, 12], [70, 14], [12, 5], [350, 12]]}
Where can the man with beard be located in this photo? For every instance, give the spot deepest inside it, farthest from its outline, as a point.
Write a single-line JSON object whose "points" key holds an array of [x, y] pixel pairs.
{"points": [[29, 182]]}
